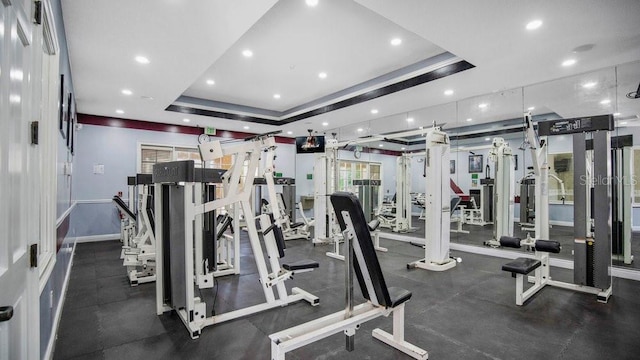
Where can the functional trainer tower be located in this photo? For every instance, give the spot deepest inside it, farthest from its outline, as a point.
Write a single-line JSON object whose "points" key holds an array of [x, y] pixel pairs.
{"points": [[438, 204], [503, 193]]}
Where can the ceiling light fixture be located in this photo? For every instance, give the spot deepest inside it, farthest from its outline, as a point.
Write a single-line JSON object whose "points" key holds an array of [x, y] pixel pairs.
{"points": [[374, 111], [210, 82], [127, 92], [312, 3], [531, 108], [487, 139], [322, 75], [247, 53], [325, 124], [589, 85], [623, 123], [616, 114], [396, 41], [381, 145], [186, 120], [276, 96], [469, 119], [403, 148], [245, 127], [410, 119], [605, 102], [360, 129], [448, 92], [532, 25], [289, 132], [142, 59], [569, 62], [483, 105], [119, 111]]}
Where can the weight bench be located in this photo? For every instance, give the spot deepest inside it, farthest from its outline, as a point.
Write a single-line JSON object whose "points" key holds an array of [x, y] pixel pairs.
{"points": [[456, 204], [381, 300], [521, 267]]}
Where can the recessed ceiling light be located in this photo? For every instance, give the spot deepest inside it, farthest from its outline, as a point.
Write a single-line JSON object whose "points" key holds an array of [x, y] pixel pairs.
{"points": [[322, 75], [289, 132], [396, 41], [247, 53], [469, 119], [623, 123], [186, 120], [403, 148], [487, 139], [360, 129], [374, 111], [127, 92], [569, 62], [325, 124], [410, 119], [605, 102], [312, 3], [448, 92], [245, 127], [483, 105], [532, 25], [142, 59], [531, 108], [276, 96], [616, 114], [589, 85], [119, 111], [210, 82], [381, 145]]}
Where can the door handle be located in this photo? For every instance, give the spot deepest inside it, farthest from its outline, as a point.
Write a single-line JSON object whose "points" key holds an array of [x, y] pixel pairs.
{"points": [[6, 313]]}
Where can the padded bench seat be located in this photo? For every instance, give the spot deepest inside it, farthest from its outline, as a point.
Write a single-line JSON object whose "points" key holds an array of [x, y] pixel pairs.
{"points": [[398, 296], [296, 225], [522, 266], [301, 265], [373, 224]]}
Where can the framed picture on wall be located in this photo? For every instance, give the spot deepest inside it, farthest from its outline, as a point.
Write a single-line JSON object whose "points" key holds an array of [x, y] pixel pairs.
{"points": [[452, 166], [61, 108], [475, 164], [69, 118]]}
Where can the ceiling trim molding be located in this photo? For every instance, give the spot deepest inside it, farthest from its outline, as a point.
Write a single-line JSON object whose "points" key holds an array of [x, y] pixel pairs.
{"points": [[436, 74], [88, 119]]}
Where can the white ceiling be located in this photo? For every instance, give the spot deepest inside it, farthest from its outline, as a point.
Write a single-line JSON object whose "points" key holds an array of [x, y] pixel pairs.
{"points": [[189, 42]]}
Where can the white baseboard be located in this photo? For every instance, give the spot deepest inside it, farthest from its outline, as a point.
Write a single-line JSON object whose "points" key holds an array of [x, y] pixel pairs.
{"points": [[94, 238], [561, 223], [48, 355]]}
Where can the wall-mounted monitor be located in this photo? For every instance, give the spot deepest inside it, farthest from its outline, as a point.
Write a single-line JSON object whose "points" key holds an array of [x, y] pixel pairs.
{"points": [[310, 144]]}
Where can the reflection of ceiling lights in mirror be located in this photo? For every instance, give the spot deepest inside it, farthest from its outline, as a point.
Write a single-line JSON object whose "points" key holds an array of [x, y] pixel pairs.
{"points": [[605, 102], [247, 53], [483, 105], [210, 82], [532, 25], [569, 62]]}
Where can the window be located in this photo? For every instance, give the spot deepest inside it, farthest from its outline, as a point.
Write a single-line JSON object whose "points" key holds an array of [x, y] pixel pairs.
{"points": [[356, 170], [150, 155]]}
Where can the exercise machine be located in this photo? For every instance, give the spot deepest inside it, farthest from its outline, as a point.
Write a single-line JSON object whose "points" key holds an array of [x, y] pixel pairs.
{"points": [[592, 239], [184, 259], [369, 195], [527, 199], [381, 300], [503, 193], [325, 175], [438, 204]]}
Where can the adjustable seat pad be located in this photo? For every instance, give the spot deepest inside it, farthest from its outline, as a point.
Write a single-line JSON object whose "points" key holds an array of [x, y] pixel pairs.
{"points": [[522, 266], [301, 265], [296, 225], [121, 204]]}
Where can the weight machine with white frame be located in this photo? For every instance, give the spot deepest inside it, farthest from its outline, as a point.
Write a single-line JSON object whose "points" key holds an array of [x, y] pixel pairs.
{"points": [[183, 272], [503, 193]]}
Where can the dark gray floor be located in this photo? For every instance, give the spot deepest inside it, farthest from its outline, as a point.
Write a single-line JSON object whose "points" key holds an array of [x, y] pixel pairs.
{"points": [[479, 234], [468, 312]]}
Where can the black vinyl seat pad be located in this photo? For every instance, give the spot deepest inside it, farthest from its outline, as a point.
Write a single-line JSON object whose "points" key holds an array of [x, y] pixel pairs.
{"points": [[521, 265], [123, 207]]}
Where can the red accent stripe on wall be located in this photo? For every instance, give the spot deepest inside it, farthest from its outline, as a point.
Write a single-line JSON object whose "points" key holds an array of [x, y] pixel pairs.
{"points": [[154, 126]]}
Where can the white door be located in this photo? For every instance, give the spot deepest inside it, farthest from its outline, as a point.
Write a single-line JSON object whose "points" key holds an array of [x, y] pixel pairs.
{"points": [[19, 220]]}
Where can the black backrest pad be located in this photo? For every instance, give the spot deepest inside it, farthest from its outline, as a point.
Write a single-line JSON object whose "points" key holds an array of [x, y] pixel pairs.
{"points": [[455, 201], [365, 264], [123, 207]]}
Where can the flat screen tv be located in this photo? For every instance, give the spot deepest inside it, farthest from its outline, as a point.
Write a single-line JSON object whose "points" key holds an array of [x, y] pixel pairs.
{"points": [[310, 144]]}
